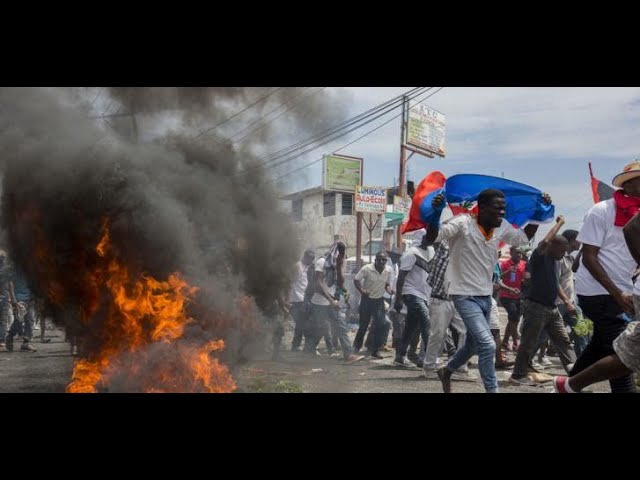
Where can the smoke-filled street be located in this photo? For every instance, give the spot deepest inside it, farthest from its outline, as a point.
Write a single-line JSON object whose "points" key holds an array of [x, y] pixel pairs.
{"points": [[279, 239]]}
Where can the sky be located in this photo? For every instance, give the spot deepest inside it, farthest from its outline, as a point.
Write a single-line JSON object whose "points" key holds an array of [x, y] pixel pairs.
{"points": [[541, 136]]}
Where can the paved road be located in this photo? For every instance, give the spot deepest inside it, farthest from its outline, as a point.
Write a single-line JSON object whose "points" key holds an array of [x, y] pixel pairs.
{"points": [[46, 371], [49, 370]]}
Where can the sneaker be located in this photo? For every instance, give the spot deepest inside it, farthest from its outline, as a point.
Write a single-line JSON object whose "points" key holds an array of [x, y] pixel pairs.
{"points": [[27, 347], [544, 361], [376, 355], [463, 376], [504, 365], [412, 357], [295, 349], [353, 359], [430, 373], [335, 355], [560, 384], [45, 340], [402, 362], [522, 381], [9, 343]]}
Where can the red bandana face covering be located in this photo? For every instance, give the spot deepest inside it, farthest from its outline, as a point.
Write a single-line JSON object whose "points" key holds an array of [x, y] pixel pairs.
{"points": [[626, 207]]}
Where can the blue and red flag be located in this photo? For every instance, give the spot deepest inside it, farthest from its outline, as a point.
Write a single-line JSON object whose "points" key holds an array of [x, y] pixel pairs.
{"points": [[524, 203], [429, 187]]}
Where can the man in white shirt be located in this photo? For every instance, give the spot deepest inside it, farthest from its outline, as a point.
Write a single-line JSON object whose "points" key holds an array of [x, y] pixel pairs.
{"points": [[412, 289], [473, 244], [299, 295], [626, 357], [604, 282], [319, 319], [372, 281]]}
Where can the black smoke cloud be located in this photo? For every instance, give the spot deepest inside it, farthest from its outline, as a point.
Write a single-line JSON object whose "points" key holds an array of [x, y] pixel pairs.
{"points": [[173, 204]]}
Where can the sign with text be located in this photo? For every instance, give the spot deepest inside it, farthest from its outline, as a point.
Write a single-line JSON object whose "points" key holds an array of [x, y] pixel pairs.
{"points": [[341, 173], [370, 199], [401, 205], [426, 129]]}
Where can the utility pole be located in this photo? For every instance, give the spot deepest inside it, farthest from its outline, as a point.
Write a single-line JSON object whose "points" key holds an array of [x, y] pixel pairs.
{"points": [[358, 240], [402, 190]]}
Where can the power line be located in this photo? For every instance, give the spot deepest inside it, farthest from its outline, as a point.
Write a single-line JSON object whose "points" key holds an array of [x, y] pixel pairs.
{"points": [[204, 132], [336, 132], [337, 128], [276, 117], [350, 143], [265, 116]]}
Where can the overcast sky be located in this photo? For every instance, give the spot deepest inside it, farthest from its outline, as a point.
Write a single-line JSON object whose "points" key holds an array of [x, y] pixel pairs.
{"points": [[543, 137]]}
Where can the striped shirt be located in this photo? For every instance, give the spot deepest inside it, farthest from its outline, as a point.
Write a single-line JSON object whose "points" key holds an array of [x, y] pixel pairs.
{"points": [[436, 273]]}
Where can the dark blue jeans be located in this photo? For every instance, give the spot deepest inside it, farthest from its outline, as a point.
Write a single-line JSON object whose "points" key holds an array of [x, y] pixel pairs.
{"points": [[417, 318], [475, 313], [371, 307]]}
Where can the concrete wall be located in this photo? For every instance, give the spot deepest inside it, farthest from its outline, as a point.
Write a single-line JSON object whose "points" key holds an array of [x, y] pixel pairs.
{"points": [[318, 231]]}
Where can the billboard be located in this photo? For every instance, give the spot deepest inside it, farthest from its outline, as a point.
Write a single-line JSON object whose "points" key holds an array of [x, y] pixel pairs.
{"points": [[370, 199], [341, 173], [426, 130], [402, 206]]}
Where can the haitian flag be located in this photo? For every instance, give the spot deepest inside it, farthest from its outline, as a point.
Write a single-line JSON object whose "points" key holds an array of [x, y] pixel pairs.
{"points": [[524, 203], [601, 191], [429, 187]]}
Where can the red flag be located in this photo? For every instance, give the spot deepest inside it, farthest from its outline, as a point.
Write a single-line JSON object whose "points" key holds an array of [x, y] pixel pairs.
{"points": [[601, 191], [430, 183]]}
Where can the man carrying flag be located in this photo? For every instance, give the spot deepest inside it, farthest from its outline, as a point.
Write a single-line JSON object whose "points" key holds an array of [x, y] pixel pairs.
{"points": [[474, 253]]}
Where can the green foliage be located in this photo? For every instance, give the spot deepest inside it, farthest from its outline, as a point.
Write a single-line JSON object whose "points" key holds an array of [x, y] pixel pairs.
{"points": [[584, 326]]}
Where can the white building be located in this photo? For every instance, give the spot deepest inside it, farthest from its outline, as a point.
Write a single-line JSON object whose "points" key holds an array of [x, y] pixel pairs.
{"points": [[319, 215]]}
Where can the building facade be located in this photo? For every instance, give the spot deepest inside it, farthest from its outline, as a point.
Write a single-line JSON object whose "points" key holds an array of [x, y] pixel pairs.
{"points": [[320, 215]]}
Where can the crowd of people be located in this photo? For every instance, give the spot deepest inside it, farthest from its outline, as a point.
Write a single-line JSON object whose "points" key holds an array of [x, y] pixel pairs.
{"points": [[445, 290]]}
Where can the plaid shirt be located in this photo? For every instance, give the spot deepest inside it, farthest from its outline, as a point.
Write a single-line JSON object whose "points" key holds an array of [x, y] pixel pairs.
{"points": [[436, 274]]}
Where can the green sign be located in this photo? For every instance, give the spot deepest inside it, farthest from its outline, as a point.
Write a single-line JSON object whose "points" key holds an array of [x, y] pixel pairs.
{"points": [[341, 173]]}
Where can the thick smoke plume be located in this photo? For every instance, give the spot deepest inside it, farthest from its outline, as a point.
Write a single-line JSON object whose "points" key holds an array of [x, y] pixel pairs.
{"points": [[174, 204]]}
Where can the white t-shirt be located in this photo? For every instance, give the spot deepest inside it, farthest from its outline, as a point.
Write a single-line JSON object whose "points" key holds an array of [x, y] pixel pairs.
{"points": [[299, 284], [415, 283], [318, 298], [566, 278], [372, 281], [472, 258], [394, 287], [614, 256]]}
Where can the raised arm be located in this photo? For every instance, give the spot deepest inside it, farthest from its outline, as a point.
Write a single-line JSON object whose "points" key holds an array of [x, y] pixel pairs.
{"points": [[542, 246]]}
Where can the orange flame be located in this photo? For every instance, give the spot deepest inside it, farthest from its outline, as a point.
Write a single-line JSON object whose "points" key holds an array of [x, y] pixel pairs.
{"points": [[145, 314]]}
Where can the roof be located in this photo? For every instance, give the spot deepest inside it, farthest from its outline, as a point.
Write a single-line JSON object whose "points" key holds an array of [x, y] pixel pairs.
{"points": [[302, 193]]}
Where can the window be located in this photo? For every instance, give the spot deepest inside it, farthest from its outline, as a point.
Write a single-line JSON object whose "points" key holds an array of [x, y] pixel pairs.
{"points": [[296, 210], [329, 204], [347, 204]]}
